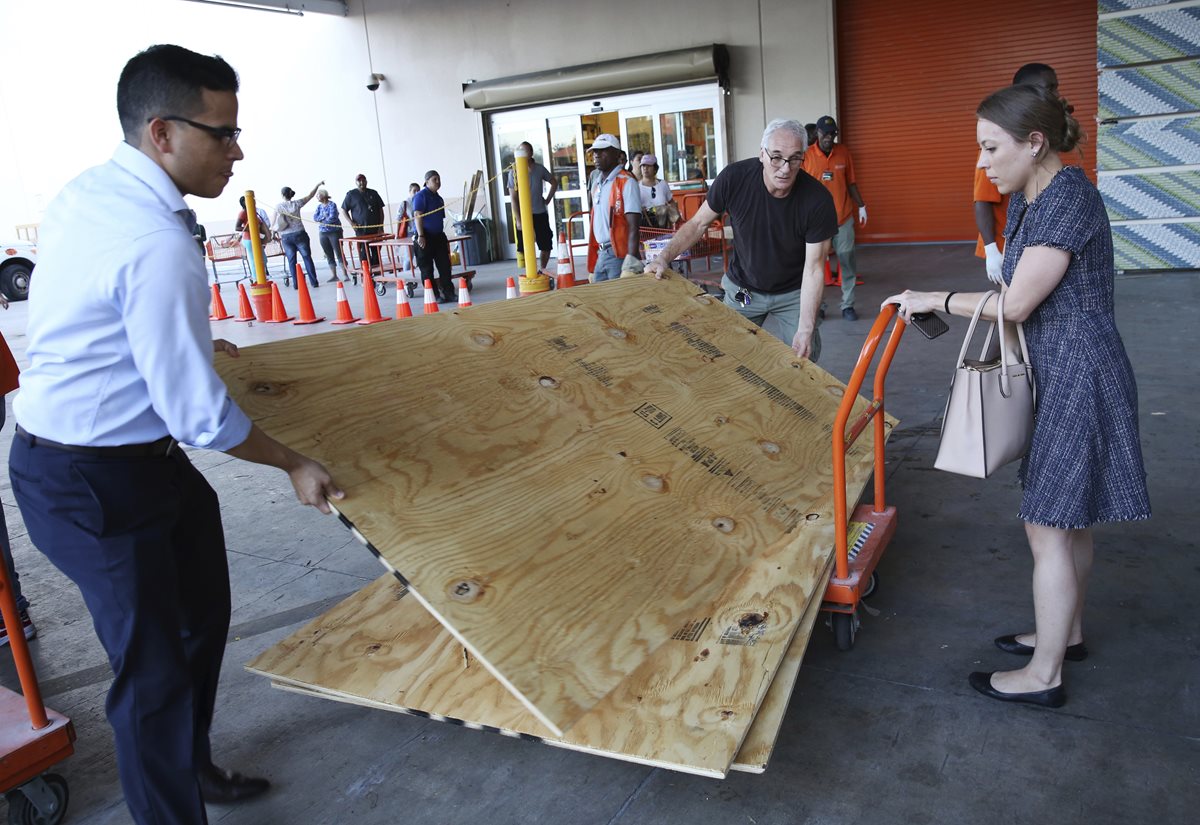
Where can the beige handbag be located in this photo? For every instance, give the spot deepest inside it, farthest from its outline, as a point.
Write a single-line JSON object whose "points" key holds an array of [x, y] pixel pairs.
{"points": [[989, 414]]}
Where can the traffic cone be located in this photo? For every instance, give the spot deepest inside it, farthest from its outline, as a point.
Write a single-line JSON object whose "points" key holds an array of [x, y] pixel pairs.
{"points": [[307, 316], [278, 310], [344, 315], [829, 279], [371, 314], [510, 290], [464, 295], [245, 311], [403, 308], [566, 268], [431, 304], [218, 311]]}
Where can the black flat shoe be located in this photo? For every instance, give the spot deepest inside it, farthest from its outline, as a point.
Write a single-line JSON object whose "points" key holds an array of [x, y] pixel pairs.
{"points": [[221, 787], [1009, 644], [1055, 697]]}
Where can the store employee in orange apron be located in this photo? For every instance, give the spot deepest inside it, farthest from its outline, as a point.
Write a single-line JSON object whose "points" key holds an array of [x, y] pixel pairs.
{"points": [[832, 165]]}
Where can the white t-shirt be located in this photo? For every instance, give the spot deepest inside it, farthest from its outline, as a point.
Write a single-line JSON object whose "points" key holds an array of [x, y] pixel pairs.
{"points": [[657, 195]]}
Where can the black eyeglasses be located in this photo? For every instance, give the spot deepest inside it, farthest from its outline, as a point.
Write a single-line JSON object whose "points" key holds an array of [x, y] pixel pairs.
{"points": [[224, 133]]}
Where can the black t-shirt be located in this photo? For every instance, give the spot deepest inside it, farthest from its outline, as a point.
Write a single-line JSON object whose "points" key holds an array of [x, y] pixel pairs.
{"points": [[365, 208], [769, 233]]}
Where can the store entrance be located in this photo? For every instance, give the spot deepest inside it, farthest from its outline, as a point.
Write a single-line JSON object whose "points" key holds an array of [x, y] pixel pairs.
{"points": [[685, 128]]}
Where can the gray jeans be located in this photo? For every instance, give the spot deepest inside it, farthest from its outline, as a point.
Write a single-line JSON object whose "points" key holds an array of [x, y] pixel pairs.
{"points": [[778, 314], [608, 266]]}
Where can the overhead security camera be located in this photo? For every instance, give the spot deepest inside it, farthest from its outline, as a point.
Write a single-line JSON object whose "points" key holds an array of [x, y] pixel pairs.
{"points": [[374, 80]]}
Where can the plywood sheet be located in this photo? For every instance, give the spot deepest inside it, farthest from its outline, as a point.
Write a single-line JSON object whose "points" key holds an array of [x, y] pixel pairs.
{"points": [[359, 637], [565, 482]]}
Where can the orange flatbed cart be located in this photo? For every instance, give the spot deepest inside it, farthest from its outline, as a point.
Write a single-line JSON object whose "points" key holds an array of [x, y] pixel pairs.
{"points": [[861, 539], [32, 738]]}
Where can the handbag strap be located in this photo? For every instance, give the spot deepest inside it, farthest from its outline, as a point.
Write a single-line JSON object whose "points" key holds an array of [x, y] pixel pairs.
{"points": [[1005, 387], [962, 355]]}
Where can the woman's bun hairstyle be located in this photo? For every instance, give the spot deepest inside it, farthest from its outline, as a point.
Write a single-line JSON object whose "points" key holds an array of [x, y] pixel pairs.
{"points": [[1026, 108]]}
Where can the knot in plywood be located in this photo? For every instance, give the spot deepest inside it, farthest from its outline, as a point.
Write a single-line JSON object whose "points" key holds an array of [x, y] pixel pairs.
{"points": [[656, 483], [548, 382], [724, 523], [483, 339], [465, 590]]}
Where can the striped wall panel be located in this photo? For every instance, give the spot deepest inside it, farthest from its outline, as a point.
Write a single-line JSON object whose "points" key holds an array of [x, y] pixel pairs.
{"points": [[1129, 5], [1157, 246], [1152, 195], [1150, 90], [1158, 35], [1142, 144]]}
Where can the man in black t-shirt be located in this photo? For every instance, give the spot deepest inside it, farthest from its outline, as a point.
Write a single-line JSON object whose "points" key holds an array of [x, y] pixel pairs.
{"points": [[364, 207], [782, 221]]}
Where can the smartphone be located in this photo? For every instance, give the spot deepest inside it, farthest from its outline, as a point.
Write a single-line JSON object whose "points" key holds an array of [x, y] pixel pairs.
{"points": [[928, 324]]}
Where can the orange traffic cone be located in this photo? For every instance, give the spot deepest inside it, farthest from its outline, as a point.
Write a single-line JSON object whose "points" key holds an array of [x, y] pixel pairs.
{"points": [[464, 295], [566, 267], [431, 304], [344, 315], [218, 311], [829, 279], [371, 313], [307, 316], [278, 310], [403, 308], [245, 311], [510, 290]]}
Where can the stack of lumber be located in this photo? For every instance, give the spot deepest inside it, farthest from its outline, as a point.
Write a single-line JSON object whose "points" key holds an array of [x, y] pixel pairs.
{"points": [[607, 512]]}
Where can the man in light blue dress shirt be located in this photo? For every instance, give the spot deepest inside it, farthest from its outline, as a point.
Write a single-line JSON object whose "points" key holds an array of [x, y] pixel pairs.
{"points": [[120, 372]]}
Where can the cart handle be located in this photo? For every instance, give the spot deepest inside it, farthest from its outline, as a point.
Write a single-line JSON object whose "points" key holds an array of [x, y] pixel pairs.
{"points": [[843, 441], [20, 653]]}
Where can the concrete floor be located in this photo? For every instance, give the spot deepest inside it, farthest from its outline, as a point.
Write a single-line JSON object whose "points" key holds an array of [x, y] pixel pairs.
{"points": [[887, 733]]}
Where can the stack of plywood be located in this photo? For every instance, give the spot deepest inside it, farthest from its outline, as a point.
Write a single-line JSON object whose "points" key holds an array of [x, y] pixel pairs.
{"points": [[607, 512]]}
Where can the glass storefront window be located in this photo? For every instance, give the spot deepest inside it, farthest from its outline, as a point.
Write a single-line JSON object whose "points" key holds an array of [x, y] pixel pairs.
{"points": [[564, 154], [689, 145], [565, 207], [639, 134]]}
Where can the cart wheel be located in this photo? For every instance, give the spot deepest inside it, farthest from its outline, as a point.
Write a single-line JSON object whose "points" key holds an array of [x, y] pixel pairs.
{"points": [[21, 810], [872, 586], [843, 630], [380, 288]]}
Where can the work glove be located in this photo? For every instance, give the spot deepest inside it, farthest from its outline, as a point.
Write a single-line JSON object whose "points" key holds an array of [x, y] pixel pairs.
{"points": [[862, 216], [995, 262], [632, 265]]}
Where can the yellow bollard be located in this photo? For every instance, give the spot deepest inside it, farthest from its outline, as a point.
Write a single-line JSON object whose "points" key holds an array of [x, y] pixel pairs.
{"points": [[532, 281], [260, 290]]}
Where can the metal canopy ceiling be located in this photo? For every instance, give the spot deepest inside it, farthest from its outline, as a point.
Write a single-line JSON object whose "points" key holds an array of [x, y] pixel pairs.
{"points": [[297, 7]]}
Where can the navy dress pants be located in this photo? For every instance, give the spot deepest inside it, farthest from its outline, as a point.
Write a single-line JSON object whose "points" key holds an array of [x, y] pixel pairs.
{"points": [[142, 539]]}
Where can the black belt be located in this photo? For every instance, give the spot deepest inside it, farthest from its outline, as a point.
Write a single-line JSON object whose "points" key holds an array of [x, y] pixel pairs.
{"points": [[154, 449]]}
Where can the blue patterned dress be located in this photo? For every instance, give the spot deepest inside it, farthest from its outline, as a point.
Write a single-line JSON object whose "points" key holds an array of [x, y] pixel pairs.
{"points": [[1085, 462]]}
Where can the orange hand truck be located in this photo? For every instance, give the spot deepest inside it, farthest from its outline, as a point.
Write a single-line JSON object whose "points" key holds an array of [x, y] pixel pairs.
{"points": [[872, 526], [32, 738]]}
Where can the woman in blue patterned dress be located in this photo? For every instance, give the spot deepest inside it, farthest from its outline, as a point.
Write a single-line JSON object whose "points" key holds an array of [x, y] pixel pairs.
{"points": [[1085, 462]]}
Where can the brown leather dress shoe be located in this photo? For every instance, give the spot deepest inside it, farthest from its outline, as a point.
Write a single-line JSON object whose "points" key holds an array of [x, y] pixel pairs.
{"points": [[222, 787]]}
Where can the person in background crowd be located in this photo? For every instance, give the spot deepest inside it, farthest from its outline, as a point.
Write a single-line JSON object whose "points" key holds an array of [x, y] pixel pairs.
{"points": [[616, 213], [1084, 464], [329, 232], [364, 207], [832, 165], [242, 224], [635, 164], [432, 246], [810, 131], [293, 236], [539, 179], [657, 199], [120, 372], [404, 222], [990, 206], [783, 220]]}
